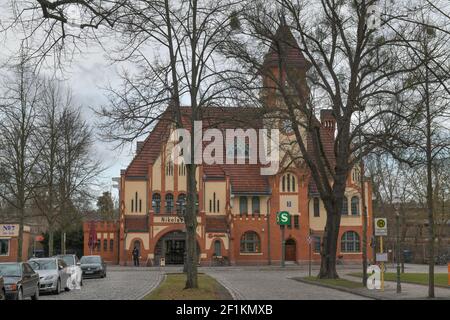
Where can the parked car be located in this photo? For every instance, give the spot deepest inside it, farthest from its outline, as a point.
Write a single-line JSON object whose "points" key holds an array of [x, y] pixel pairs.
{"points": [[20, 280], [93, 266], [2, 289], [52, 273], [74, 268]]}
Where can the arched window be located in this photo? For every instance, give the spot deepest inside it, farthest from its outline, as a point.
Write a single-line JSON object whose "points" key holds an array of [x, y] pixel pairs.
{"points": [[355, 206], [344, 206], [156, 202], [255, 206], [250, 242], [182, 169], [181, 204], [316, 202], [169, 169], [350, 242], [105, 245], [243, 207], [217, 248], [99, 244], [111, 245], [169, 203], [288, 183]]}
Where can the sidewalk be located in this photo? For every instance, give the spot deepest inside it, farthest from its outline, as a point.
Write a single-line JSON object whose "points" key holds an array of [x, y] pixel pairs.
{"points": [[409, 291]]}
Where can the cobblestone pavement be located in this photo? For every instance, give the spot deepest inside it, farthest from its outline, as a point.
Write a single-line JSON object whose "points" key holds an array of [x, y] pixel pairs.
{"points": [[249, 284], [121, 283]]}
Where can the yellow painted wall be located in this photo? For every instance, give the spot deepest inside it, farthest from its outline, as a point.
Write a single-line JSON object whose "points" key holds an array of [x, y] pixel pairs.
{"points": [[144, 237], [156, 174], [131, 187], [262, 205], [284, 202], [218, 187], [318, 223]]}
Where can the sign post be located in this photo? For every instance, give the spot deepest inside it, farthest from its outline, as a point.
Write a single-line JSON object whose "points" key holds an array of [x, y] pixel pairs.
{"points": [[381, 231], [283, 220]]}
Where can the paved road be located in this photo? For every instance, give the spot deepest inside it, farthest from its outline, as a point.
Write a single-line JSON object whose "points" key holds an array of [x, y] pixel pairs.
{"points": [[121, 283], [250, 284]]}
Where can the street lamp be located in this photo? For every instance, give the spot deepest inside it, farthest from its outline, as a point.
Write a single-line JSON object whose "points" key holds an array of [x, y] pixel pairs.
{"points": [[397, 227]]}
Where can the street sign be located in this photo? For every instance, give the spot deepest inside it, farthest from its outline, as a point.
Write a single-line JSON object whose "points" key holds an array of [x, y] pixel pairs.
{"points": [[380, 227], [381, 257], [283, 218]]}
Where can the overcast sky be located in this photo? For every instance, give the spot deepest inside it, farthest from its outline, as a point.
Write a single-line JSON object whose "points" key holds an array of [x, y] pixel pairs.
{"points": [[86, 75]]}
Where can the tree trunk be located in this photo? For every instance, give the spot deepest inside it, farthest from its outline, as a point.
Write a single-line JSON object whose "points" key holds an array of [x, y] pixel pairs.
{"points": [[191, 229], [429, 150], [20, 238], [51, 237], [328, 252]]}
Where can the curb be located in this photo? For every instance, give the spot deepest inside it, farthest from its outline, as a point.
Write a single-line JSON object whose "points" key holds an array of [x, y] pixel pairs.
{"points": [[234, 294], [156, 285], [337, 288]]}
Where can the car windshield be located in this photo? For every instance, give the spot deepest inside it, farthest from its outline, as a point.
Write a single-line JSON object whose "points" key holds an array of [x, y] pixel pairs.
{"points": [[90, 260], [69, 260], [10, 270], [43, 264]]}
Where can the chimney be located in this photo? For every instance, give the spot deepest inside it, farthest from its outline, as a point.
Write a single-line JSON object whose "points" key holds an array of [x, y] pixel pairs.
{"points": [[328, 121], [139, 146]]}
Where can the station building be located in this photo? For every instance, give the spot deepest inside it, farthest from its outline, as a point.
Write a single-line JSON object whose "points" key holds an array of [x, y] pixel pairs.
{"points": [[237, 206]]}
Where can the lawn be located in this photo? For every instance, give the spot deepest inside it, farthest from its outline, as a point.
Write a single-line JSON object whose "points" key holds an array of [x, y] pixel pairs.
{"points": [[336, 282], [440, 279], [172, 288]]}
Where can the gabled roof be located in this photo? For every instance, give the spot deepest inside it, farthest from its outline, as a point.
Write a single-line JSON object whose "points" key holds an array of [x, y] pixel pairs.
{"points": [[244, 178]]}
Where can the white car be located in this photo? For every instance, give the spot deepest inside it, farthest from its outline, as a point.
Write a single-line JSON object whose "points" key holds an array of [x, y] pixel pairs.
{"points": [[75, 280]]}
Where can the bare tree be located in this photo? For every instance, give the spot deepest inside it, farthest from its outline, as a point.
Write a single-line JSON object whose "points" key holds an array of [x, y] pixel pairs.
{"points": [[429, 129], [78, 168], [350, 68], [48, 140], [189, 32], [18, 153]]}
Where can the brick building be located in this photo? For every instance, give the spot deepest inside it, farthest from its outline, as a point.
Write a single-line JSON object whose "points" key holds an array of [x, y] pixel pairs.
{"points": [[237, 205], [9, 242]]}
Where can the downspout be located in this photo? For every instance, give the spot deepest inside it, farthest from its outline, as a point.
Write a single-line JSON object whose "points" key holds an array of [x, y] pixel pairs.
{"points": [[269, 258]]}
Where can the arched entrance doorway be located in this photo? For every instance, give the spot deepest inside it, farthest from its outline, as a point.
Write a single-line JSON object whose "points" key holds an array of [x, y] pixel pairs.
{"points": [[172, 247], [290, 250]]}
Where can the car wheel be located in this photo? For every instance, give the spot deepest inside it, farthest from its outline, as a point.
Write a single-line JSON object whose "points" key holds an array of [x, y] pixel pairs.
{"points": [[20, 294], [58, 287], [36, 294]]}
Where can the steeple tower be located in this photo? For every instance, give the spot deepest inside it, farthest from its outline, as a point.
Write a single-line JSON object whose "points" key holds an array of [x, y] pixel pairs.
{"points": [[284, 64]]}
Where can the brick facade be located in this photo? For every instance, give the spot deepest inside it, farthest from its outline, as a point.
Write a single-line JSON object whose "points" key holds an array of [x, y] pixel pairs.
{"points": [[237, 206]]}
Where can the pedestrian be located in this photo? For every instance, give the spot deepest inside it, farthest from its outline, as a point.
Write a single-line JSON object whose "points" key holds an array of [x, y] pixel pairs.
{"points": [[136, 256]]}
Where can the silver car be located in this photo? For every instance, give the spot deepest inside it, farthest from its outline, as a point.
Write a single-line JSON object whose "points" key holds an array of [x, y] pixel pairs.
{"points": [[52, 272]]}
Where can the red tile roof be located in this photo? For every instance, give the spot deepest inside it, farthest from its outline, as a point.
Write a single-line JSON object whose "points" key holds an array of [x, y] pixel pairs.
{"points": [[244, 178]]}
